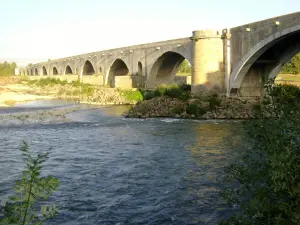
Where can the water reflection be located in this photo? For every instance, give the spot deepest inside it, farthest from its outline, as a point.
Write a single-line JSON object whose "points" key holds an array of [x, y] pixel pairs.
{"points": [[214, 148]]}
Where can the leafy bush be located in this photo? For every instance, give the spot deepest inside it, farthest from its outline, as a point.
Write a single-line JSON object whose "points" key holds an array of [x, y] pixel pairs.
{"points": [[21, 207], [214, 101], [174, 92], [7, 69], [76, 83], [267, 180], [131, 95], [195, 109], [149, 95], [186, 87], [160, 90]]}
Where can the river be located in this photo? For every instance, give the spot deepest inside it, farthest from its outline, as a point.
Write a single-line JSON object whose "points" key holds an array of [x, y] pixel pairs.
{"points": [[118, 171]]}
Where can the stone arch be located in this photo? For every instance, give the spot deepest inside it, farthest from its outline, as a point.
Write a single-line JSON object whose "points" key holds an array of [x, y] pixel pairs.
{"points": [[54, 71], [36, 72], [88, 68], [240, 70], [164, 69], [68, 70], [140, 69], [45, 71], [117, 68]]}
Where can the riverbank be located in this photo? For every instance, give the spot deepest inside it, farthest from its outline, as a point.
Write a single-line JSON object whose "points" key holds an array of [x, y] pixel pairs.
{"points": [[13, 93], [16, 89], [164, 101], [209, 106]]}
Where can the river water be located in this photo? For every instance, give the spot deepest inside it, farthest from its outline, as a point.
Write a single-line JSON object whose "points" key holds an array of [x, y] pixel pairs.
{"points": [[117, 171]]}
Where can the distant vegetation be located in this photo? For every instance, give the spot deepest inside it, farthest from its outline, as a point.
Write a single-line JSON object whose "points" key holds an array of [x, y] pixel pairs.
{"points": [[184, 68], [292, 67], [7, 69]]}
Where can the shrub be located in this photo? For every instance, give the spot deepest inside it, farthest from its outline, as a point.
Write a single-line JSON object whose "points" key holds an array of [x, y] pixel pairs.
{"points": [[149, 95], [21, 207], [185, 87], [160, 90], [76, 83], [214, 101], [131, 95], [174, 92], [195, 109], [267, 180]]}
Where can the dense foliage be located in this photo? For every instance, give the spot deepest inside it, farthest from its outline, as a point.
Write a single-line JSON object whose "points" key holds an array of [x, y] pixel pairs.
{"points": [[21, 209], [267, 180], [182, 91], [7, 69], [292, 67], [185, 67]]}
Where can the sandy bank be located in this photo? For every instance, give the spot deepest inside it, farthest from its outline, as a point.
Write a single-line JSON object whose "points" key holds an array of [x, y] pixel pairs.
{"points": [[12, 93]]}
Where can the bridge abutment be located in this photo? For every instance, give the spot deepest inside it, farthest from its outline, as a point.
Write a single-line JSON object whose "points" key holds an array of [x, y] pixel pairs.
{"points": [[208, 61]]}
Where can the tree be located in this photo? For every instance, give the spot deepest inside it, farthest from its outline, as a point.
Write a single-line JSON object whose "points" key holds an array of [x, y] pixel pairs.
{"points": [[293, 66], [184, 67], [7, 69]]}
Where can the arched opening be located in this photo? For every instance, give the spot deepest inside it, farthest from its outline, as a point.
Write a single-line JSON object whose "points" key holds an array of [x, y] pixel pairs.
{"points": [[54, 71], [118, 68], [36, 72], [44, 71], [140, 69], [164, 69], [264, 64], [88, 68], [68, 70]]}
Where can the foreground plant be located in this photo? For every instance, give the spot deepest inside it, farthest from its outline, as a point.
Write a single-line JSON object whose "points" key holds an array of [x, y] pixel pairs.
{"points": [[30, 190], [267, 180]]}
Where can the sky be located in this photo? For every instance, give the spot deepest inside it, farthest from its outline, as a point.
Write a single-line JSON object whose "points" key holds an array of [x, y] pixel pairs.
{"points": [[38, 30]]}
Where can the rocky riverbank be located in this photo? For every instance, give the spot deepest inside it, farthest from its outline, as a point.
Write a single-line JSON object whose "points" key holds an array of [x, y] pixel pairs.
{"points": [[210, 107], [164, 101]]}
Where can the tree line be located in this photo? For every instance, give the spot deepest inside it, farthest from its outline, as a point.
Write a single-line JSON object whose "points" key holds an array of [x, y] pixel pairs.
{"points": [[7, 69]]}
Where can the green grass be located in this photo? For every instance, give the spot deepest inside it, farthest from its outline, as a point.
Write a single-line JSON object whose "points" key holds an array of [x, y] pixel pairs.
{"points": [[182, 91], [47, 81], [132, 95]]}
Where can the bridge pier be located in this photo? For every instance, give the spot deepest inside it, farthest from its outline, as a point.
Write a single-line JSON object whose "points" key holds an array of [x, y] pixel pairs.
{"points": [[208, 61]]}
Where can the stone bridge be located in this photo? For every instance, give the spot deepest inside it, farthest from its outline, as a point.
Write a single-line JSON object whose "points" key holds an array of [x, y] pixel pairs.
{"points": [[235, 61]]}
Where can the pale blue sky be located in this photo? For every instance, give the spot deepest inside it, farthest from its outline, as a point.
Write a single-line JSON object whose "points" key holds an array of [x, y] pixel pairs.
{"points": [[35, 30]]}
